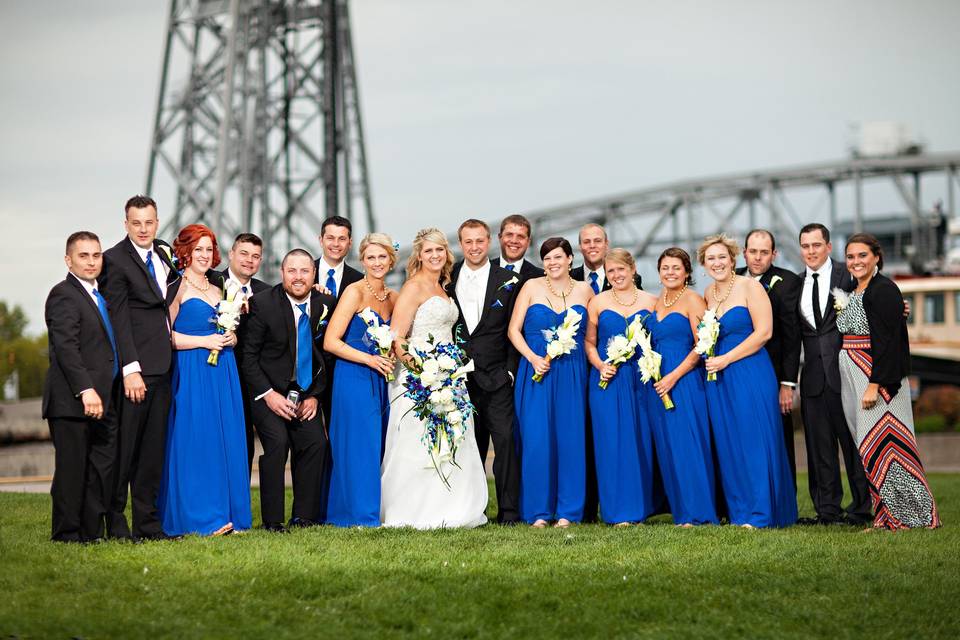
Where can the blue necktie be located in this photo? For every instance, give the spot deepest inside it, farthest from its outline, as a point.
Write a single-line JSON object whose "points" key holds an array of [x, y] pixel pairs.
{"points": [[244, 289], [304, 349], [593, 282], [102, 307], [331, 283], [153, 273], [509, 267]]}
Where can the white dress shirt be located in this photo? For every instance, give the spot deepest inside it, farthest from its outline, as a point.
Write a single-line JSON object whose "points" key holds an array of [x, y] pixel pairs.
{"points": [[471, 291], [324, 271], [245, 296], [601, 276], [517, 265], [823, 286]]}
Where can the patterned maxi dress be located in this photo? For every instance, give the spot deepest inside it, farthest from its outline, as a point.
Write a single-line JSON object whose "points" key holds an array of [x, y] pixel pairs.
{"points": [[884, 434]]}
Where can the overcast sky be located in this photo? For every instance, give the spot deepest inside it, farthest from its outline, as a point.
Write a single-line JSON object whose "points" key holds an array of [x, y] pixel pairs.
{"points": [[481, 109]]}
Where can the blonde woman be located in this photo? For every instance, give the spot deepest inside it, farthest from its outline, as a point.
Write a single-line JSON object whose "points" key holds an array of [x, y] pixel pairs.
{"points": [[358, 410], [412, 494], [743, 402]]}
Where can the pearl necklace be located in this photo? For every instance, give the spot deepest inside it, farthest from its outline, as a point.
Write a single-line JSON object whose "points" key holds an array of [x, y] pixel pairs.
{"points": [[203, 289], [374, 293], [554, 291], [719, 300], [636, 296], [675, 300]]}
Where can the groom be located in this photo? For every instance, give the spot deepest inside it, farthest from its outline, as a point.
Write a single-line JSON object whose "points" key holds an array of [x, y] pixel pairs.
{"points": [[485, 294]]}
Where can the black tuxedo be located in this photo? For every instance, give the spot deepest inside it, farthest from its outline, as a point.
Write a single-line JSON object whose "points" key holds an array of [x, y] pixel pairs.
{"points": [[577, 273], [140, 318], [81, 358], [784, 345], [822, 410], [255, 286], [269, 362], [490, 385], [527, 270]]}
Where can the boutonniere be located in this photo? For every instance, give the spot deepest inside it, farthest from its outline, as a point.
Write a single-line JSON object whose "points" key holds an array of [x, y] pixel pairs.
{"points": [[172, 259], [773, 281], [508, 285], [496, 304], [322, 321], [840, 299]]}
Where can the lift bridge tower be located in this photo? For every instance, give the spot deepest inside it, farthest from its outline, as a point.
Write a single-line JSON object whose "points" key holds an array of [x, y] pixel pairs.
{"points": [[258, 123]]}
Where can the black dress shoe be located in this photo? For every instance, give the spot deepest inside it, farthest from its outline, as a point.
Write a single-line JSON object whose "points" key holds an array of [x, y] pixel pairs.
{"points": [[830, 522], [857, 521], [511, 523], [301, 523], [806, 522], [274, 527], [156, 537], [94, 541]]}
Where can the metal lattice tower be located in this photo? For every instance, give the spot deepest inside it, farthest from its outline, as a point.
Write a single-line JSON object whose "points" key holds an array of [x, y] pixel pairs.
{"points": [[258, 124]]}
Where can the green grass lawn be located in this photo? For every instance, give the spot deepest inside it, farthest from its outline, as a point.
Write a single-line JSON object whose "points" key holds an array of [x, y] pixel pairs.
{"points": [[589, 581]]}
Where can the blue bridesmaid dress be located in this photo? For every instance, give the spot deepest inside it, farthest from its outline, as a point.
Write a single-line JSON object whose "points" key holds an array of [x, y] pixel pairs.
{"points": [[748, 433], [358, 422], [682, 434], [552, 424], [205, 479], [622, 443]]}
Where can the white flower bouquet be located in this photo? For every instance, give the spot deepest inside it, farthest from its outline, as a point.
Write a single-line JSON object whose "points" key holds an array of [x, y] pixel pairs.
{"points": [[378, 336], [649, 364], [562, 339], [708, 330], [621, 347]]}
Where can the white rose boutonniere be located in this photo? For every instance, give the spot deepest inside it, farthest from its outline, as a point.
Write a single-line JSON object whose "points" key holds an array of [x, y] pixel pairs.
{"points": [[840, 299]]}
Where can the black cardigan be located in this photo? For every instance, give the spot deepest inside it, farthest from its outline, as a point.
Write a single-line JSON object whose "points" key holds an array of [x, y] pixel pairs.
{"points": [[889, 343]]}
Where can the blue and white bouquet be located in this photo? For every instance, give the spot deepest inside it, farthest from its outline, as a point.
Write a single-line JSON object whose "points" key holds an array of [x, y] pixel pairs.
{"points": [[435, 382], [562, 339], [378, 335]]}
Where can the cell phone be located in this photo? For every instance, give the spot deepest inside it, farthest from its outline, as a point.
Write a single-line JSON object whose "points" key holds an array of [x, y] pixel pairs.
{"points": [[294, 396]]}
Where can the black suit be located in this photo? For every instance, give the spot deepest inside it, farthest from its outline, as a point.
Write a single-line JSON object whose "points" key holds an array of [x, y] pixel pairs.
{"points": [[269, 362], [592, 502], [350, 275], [81, 358], [784, 345], [824, 425], [255, 286], [577, 274], [140, 318], [490, 385]]}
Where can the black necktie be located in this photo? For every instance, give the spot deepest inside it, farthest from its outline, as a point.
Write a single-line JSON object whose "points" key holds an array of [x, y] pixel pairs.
{"points": [[817, 314]]}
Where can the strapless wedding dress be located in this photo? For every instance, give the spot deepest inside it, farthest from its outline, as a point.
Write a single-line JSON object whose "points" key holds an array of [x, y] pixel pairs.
{"points": [[412, 493]]}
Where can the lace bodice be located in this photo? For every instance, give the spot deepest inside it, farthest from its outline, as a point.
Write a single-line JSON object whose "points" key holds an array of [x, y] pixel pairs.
{"points": [[436, 317]]}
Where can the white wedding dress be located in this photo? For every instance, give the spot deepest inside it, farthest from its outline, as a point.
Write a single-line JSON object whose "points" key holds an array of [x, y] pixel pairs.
{"points": [[412, 493]]}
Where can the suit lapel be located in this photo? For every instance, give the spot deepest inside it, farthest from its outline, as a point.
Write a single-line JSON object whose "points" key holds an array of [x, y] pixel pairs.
{"points": [[135, 256], [493, 285], [93, 305], [290, 323]]}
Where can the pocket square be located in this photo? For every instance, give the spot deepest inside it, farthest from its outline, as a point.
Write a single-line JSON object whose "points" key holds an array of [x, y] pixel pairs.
{"points": [[496, 304]]}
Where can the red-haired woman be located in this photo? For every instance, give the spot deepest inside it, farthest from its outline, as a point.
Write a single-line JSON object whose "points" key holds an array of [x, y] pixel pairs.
{"points": [[205, 488]]}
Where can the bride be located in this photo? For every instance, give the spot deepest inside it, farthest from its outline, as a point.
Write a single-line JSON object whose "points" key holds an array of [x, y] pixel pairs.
{"points": [[412, 492]]}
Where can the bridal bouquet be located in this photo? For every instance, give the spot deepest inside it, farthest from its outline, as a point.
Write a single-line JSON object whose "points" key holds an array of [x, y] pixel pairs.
{"points": [[649, 364], [708, 330], [378, 336], [621, 347], [227, 314], [561, 340], [435, 382]]}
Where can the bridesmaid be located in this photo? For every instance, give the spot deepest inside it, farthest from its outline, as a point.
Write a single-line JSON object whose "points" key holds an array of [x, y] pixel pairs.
{"points": [[206, 485], [358, 415], [551, 413], [874, 364], [682, 434], [623, 448], [743, 402]]}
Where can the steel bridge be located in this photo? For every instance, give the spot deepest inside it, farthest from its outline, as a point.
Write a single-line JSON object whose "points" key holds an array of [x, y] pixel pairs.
{"points": [[782, 200]]}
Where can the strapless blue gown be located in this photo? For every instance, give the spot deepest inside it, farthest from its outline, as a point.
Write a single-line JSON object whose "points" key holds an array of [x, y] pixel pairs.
{"points": [[622, 443], [551, 415], [205, 479], [748, 433], [358, 422], [682, 434]]}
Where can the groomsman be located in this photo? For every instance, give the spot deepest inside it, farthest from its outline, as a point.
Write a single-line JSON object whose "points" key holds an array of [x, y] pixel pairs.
{"points": [[783, 287], [333, 273], [281, 354], [137, 274], [485, 294], [820, 406], [243, 264], [594, 246], [79, 395], [514, 241]]}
